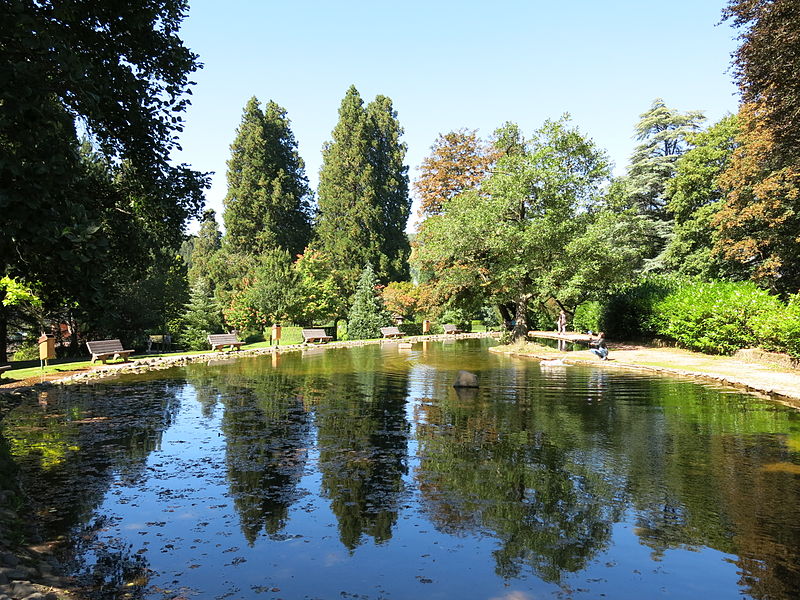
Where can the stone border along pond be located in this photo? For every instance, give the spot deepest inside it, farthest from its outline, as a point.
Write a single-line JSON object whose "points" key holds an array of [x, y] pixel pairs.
{"points": [[765, 374], [28, 569]]}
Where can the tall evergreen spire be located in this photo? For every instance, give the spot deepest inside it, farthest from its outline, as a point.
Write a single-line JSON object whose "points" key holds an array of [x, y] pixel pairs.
{"points": [[268, 204], [363, 191]]}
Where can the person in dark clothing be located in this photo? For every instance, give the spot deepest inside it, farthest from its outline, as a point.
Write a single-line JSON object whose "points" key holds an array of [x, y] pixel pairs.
{"points": [[599, 347]]}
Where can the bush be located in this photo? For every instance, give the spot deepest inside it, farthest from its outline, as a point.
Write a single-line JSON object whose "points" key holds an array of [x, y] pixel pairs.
{"points": [[410, 328], [628, 314], [779, 331], [587, 317], [26, 352], [458, 317], [717, 318]]}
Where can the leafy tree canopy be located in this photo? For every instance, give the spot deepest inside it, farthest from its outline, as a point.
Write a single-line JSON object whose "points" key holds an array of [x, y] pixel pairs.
{"points": [[459, 161], [541, 233]]}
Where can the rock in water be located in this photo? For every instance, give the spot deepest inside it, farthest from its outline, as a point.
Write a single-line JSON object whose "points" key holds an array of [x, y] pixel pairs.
{"points": [[465, 379]]}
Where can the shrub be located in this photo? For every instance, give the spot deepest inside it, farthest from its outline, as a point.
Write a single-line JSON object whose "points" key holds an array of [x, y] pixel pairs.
{"points": [[779, 330], [458, 317], [717, 318], [587, 317], [410, 328], [628, 314], [26, 352]]}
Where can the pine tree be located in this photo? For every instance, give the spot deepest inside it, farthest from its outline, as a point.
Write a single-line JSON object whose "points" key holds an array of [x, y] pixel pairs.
{"points": [[268, 204], [201, 317], [363, 192], [367, 314]]}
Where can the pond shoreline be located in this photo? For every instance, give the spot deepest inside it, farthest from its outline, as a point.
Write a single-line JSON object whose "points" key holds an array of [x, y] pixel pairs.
{"points": [[743, 371]]}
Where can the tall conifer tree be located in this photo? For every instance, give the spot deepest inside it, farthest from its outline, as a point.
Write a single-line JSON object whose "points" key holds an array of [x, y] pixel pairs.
{"points": [[391, 187], [363, 191], [268, 204]]}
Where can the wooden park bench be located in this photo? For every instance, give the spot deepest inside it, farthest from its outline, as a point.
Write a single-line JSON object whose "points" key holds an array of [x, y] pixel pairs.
{"points": [[4, 368], [316, 335], [219, 340], [391, 332], [450, 328], [104, 349]]}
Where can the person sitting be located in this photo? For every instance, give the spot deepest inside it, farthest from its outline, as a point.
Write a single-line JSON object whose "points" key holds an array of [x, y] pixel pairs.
{"points": [[600, 349]]}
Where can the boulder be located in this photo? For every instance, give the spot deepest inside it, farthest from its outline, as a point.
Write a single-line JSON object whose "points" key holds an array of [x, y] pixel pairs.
{"points": [[465, 379]]}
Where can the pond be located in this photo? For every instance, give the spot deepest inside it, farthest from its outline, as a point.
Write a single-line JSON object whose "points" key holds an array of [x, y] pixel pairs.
{"points": [[362, 473]]}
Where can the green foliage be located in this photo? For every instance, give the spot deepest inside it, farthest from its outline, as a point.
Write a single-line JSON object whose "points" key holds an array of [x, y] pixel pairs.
{"points": [[123, 71], [274, 289], [627, 314], [268, 204], [201, 317], [779, 331], [320, 288], [694, 199], [363, 193], [587, 316], [542, 233], [28, 351], [716, 317], [367, 313], [207, 243], [458, 317], [13, 292], [663, 132]]}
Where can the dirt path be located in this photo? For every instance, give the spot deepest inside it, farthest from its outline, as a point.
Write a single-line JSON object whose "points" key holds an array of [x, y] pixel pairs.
{"points": [[781, 383]]}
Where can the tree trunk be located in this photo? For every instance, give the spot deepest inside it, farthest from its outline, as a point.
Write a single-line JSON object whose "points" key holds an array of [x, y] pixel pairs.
{"points": [[506, 314], [521, 318]]}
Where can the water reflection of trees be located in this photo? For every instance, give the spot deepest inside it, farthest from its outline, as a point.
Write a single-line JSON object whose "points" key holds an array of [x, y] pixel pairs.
{"points": [[548, 471], [490, 466], [267, 435], [69, 448], [362, 439]]}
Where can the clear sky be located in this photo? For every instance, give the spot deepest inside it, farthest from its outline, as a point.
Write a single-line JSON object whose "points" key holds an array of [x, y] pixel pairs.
{"points": [[448, 65]]}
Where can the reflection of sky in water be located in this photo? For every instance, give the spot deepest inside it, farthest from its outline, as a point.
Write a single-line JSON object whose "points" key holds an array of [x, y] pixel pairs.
{"points": [[444, 495]]}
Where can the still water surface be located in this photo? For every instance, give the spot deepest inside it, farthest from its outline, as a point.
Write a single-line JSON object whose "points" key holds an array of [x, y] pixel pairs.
{"points": [[361, 473]]}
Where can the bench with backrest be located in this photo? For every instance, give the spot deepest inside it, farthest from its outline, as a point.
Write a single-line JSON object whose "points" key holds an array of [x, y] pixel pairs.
{"points": [[391, 332], [102, 350], [219, 340], [315, 335], [4, 368], [450, 328]]}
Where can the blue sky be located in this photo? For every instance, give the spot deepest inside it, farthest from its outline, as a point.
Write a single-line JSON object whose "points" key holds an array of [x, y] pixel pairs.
{"points": [[448, 65]]}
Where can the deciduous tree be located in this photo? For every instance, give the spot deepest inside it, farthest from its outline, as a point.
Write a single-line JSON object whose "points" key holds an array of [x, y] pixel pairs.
{"points": [[459, 161], [122, 70], [538, 234], [760, 219]]}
